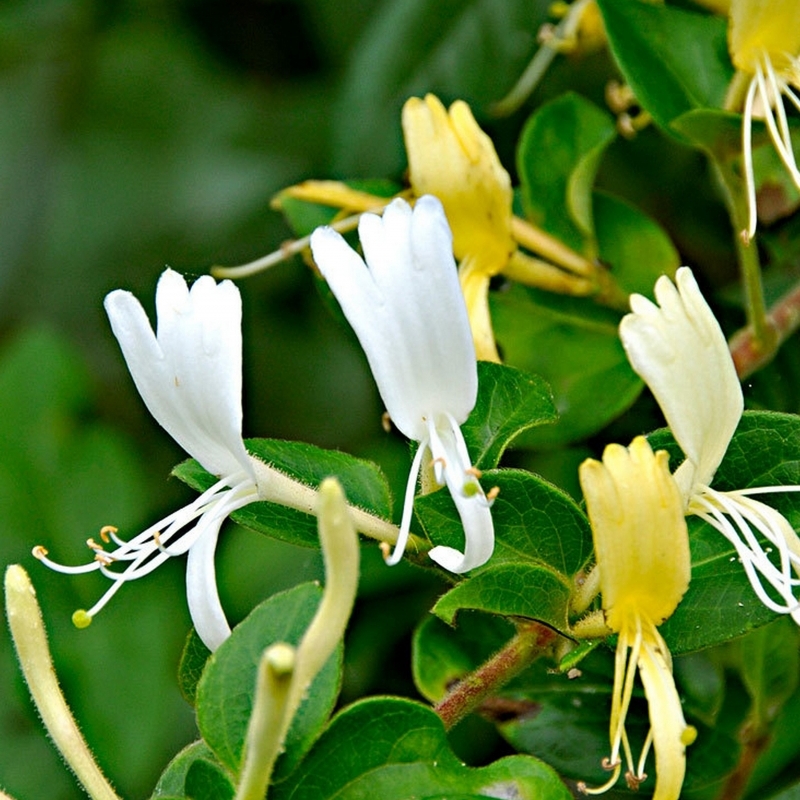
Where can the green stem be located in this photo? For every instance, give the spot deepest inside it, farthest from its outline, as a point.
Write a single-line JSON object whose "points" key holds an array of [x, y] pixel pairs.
{"points": [[764, 337], [531, 639]]}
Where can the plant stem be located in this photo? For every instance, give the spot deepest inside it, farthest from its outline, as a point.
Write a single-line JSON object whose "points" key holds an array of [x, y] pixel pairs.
{"points": [[531, 639], [764, 340], [783, 319], [736, 784]]}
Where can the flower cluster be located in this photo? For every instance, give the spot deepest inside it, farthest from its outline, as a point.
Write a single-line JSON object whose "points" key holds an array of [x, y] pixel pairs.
{"points": [[409, 314]]}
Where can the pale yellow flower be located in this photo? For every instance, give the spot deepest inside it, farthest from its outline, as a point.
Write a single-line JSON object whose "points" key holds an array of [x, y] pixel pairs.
{"points": [[764, 43], [642, 548]]}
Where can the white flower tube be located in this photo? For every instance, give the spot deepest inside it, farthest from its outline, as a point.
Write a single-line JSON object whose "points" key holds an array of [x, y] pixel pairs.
{"points": [[189, 374], [406, 307], [679, 350]]}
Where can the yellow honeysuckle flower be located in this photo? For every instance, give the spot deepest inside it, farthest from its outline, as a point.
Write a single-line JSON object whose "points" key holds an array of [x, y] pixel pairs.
{"points": [[764, 43], [642, 547], [449, 156]]}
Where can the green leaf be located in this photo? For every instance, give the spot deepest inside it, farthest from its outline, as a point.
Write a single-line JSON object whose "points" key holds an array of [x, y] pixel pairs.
{"points": [[173, 779], [566, 724], [205, 780], [559, 153], [193, 660], [763, 452], [364, 484], [717, 132], [225, 692], [535, 523], [472, 49], [509, 401], [520, 590], [674, 60], [634, 246], [591, 379], [396, 749]]}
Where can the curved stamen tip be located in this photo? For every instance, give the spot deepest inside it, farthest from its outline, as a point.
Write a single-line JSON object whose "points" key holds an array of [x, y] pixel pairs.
{"points": [[40, 552], [609, 765], [386, 550], [635, 781], [491, 495], [81, 619], [107, 531]]}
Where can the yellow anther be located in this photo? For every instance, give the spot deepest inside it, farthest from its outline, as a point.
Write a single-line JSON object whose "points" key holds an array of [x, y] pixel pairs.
{"points": [[492, 493], [474, 471], [106, 530], [439, 460], [386, 422], [80, 619], [93, 544], [39, 551], [386, 550], [103, 558]]}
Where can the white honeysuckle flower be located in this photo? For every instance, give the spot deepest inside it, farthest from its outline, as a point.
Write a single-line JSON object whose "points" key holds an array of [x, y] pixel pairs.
{"points": [[189, 374], [677, 347], [407, 310]]}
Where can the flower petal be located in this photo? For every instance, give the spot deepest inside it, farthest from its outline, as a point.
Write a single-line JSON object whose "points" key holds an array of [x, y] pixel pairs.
{"points": [[448, 446], [679, 350], [189, 374], [671, 734], [407, 310], [202, 594]]}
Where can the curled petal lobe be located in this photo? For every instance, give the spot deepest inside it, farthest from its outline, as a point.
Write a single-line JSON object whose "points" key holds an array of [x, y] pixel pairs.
{"points": [[679, 350], [671, 734], [449, 449]]}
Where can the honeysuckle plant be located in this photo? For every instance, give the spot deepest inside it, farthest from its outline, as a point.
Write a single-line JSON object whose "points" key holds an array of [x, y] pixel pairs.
{"points": [[485, 596]]}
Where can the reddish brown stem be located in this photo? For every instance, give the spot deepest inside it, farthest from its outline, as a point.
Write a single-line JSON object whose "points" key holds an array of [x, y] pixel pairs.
{"points": [[467, 694], [736, 784], [783, 318]]}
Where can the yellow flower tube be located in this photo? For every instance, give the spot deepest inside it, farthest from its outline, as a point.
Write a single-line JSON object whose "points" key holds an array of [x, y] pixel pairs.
{"points": [[642, 548]]}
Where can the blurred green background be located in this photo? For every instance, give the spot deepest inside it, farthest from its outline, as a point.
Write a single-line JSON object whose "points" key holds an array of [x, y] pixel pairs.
{"points": [[139, 134], [135, 135]]}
